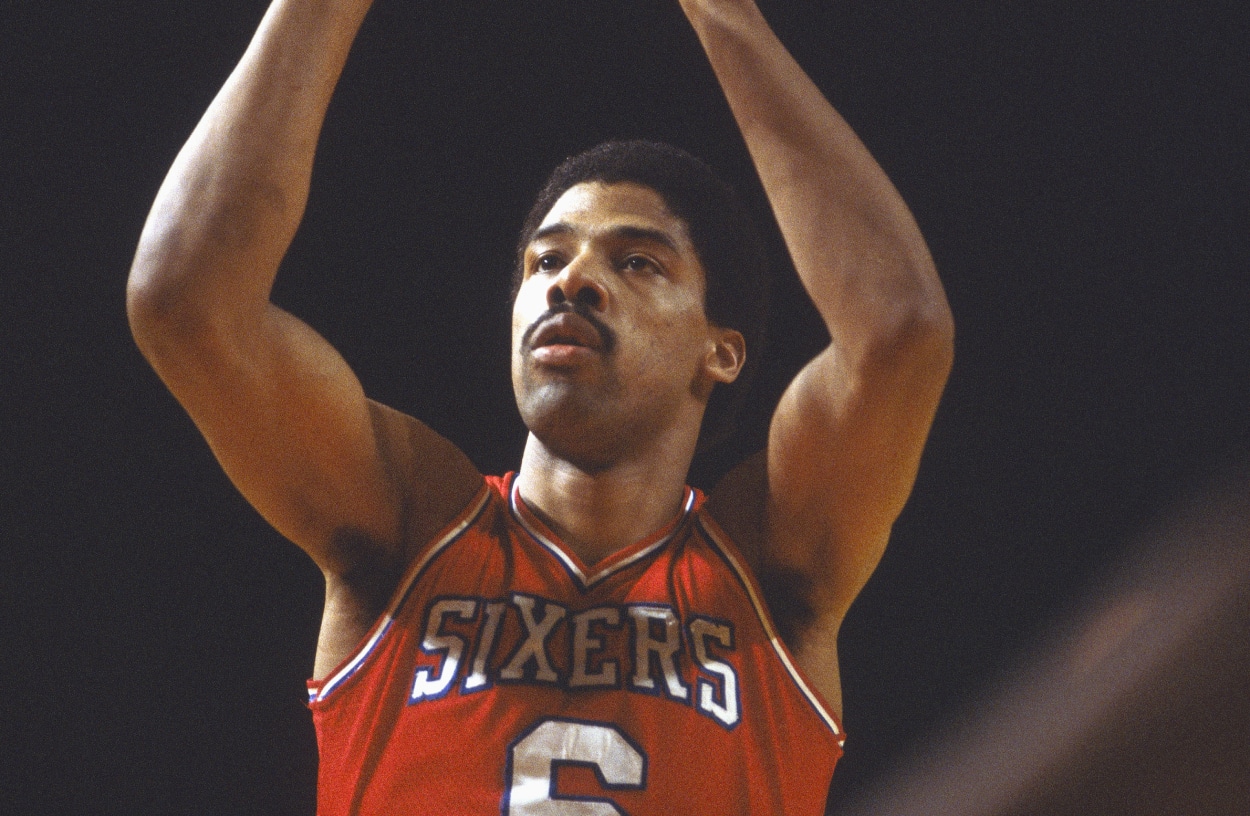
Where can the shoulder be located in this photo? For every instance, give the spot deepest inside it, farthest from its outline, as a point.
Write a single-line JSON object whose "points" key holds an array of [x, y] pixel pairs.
{"points": [[739, 506], [434, 480], [369, 573]]}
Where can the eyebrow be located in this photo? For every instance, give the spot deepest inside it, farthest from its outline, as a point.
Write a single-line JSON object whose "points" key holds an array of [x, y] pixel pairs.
{"points": [[624, 231]]}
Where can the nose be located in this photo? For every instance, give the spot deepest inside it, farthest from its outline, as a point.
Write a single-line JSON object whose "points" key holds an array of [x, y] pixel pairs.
{"points": [[578, 283]]}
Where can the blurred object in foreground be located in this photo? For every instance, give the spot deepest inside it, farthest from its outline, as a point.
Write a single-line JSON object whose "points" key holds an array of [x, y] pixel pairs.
{"points": [[1138, 706]]}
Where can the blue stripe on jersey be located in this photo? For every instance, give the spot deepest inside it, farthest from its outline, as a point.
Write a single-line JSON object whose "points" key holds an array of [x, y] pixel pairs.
{"points": [[571, 565]]}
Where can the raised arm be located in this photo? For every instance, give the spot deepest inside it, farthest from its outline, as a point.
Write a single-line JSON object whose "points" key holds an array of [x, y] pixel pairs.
{"points": [[349, 481], [846, 438]]}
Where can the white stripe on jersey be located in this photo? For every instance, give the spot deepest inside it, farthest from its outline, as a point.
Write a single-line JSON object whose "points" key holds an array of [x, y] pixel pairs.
{"points": [[556, 549], [765, 619]]}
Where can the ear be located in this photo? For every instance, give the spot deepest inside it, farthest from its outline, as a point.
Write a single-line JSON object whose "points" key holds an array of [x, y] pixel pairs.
{"points": [[726, 356]]}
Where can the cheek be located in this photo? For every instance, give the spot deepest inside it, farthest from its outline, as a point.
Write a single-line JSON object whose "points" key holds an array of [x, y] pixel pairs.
{"points": [[685, 320], [518, 327], [525, 310], [678, 336]]}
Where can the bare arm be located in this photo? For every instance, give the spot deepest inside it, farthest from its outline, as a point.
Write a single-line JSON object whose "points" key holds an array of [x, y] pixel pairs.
{"points": [[280, 408], [845, 441]]}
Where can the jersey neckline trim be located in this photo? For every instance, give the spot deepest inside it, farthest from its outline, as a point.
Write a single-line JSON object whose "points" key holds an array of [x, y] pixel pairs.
{"points": [[587, 576]]}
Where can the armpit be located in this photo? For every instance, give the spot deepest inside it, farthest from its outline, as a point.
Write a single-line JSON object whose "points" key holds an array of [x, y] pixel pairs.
{"points": [[788, 594]]}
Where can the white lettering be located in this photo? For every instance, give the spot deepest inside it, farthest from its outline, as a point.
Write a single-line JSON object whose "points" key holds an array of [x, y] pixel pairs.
{"points": [[727, 712], [535, 645], [584, 643], [424, 685], [646, 645], [477, 678]]}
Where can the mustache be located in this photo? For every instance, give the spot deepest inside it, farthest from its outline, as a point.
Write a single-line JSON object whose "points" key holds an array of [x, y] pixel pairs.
{"points": [[607, 338]]}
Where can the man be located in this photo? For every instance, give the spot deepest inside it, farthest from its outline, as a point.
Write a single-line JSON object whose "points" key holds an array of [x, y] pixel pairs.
{"points": [[587, 636]]}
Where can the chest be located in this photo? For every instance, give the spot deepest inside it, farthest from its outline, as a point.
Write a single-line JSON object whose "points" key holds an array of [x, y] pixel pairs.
{"points": [[522, 677]]}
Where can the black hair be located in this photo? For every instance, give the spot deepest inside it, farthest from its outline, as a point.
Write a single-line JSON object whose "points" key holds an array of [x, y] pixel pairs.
{"points": [[724, 236]]}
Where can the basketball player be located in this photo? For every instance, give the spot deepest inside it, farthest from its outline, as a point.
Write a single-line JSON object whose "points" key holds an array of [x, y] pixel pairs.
{"points": [[588, 635]]}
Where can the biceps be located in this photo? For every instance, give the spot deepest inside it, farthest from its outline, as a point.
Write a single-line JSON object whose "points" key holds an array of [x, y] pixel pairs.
{"points": [[288, 421], [844, 449]]}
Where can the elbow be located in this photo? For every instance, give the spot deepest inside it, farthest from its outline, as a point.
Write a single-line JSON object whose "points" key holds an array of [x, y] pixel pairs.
{"points": [[183, 289], [204, 265], [936, 330], [167, 318], [148, 301], [918, 342], [155, 304], [155, 288], [931, 335], [925, 329]]}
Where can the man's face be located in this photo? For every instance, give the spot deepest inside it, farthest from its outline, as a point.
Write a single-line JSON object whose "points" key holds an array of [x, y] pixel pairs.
{"points": [[610, 341]]}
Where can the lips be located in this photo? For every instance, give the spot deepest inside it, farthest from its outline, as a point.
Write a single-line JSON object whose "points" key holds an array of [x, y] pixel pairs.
{"points": [[567, 329]]}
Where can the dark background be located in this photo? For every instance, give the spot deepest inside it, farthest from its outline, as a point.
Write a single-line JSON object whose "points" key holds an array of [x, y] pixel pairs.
{"points": [[1079, 170]]}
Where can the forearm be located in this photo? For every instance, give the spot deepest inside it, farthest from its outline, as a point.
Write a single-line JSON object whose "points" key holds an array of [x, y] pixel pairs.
{"points": [[853, 241], [235, 195]]}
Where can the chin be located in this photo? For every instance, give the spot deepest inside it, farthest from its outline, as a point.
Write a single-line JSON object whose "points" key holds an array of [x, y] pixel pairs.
{"points": [[577, 431]]}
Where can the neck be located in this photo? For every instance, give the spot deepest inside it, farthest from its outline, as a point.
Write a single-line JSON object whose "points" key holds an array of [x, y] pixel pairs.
{"points": [[597, 513]]}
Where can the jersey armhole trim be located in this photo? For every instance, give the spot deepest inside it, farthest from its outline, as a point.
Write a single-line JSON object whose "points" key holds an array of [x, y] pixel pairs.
{"points": [[729, 552], [319, 690]]}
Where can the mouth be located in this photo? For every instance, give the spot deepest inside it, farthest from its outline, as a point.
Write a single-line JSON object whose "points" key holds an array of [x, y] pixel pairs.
{"points": [[567, 329]]}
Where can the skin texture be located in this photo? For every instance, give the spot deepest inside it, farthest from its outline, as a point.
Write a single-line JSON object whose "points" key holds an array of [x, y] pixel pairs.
{"points": [[361, 487]]}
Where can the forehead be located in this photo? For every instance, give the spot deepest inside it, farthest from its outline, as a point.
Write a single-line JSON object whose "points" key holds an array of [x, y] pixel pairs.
{"points": [[594, 205]]}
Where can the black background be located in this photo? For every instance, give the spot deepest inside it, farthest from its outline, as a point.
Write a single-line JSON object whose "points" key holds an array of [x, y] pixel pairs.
{"points": [[1080, 173]]}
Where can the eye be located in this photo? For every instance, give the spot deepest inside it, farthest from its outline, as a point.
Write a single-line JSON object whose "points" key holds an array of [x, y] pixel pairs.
{"points": [[641, 263], [549, 262]]}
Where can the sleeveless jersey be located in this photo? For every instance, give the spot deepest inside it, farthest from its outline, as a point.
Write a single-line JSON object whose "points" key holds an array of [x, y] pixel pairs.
{"points": [[508, 677]]}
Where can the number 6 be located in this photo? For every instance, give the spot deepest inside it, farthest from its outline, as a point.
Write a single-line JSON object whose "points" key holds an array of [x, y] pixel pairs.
{"points": [[534, 756]]}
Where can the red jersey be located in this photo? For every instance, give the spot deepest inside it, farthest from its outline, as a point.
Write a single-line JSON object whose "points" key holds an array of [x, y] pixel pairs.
{"points": [[508, 677]]}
